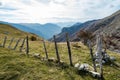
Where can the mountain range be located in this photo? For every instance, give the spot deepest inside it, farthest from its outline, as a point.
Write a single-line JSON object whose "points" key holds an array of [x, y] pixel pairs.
{"points": [[10, 31], [108, 26], [45, 31], [65, 24]]}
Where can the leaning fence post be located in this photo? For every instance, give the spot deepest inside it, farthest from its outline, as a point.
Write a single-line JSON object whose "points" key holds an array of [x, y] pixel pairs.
{"points": [[93, 60], [11, 41], [45, 49], [4, 41], [69, 49], [91, 53], [27, 45], [56, 48], [101, 69], [21, 47], [16, 44]]}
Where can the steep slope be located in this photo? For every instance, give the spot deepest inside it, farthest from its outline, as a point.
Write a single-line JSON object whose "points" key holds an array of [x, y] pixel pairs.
{"points": [[23, 28], [27, 29], [108, 27], [46, 30], [72, 30], [8, 30]]}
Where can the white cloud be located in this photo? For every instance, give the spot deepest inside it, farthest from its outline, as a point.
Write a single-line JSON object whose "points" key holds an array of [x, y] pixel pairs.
{"points": [[56, 10]]}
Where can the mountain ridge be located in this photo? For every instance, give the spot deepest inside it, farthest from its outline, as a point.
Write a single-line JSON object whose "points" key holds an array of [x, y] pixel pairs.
{"points": [[43, 30], [109, 27]]}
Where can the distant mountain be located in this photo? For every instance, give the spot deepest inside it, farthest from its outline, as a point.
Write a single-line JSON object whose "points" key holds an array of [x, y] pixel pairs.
{"points": [[65, 24], [109, 27], [72, 30], [46, 31], [8, 30]]}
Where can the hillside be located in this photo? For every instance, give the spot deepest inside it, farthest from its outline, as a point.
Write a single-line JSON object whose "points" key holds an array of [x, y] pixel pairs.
{"points": [[45, 31], [72, 30], [109, 27], [17, 66], [8, 30]]}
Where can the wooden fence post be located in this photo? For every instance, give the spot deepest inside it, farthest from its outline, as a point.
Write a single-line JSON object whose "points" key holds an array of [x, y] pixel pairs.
{"points": [[91, 54], [16, 44], [4, 41], [93, 60], [21, 47], [56, 48], [27, 45], [45, 49], [11, 41], [69, 49], [101, 69]]}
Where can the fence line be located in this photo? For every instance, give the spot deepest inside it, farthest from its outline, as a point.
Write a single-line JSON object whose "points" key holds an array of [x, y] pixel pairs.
{"points": [[56, 49], [69, 49], [11, 41], [26, 41], [4, 44], [46, 53], [21, 47]]}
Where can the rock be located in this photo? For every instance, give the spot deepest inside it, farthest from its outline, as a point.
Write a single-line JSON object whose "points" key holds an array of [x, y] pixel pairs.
{"points": [[97, 65], [111, 65], [84, 67], [37, 55], [112, 58], [95, 74], [77, 65], [103, 62], [96, 60]]}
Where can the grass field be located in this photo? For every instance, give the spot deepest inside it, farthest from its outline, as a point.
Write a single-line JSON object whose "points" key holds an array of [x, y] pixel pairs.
{"points": [[15, 65]]}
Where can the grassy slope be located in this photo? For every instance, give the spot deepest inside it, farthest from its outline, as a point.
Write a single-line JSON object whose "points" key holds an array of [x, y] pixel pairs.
{"points": [[7, 30], [16, 66]]}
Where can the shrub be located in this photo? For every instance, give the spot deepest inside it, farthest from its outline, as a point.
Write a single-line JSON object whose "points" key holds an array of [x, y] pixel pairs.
{"points": [[33, 38], [85, 36]]}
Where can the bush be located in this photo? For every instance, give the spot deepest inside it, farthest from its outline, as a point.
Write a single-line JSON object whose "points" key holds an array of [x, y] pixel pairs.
{"points": [[85, 36], [33, 38]]}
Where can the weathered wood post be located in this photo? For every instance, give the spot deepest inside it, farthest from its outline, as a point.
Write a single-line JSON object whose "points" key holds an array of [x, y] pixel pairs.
{"points": [[45, 49], [91, 53], [56, 48], [101, 56], [69, 49], [99, 53], [93, 60], [27, 46], [11, 41], [21, 47], [17, 42], [101, 69], [4, 42]]}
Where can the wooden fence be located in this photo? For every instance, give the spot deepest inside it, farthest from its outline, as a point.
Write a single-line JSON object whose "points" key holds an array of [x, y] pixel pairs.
{"points": [[19, 45], [13, 44], [25, 43]]}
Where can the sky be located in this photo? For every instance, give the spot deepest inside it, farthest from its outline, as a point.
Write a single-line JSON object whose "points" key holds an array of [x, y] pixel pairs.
{"points": [[44, 11]]}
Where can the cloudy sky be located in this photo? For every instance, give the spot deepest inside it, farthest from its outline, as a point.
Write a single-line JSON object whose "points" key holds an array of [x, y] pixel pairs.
{"points": [[43, 11]]}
